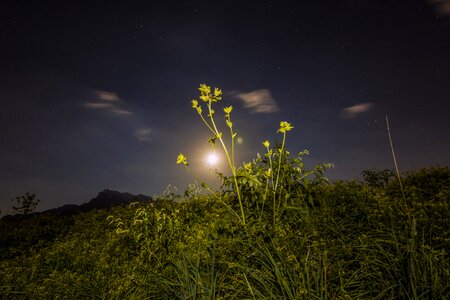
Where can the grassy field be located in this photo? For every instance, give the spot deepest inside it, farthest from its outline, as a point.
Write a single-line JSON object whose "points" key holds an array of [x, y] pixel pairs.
{"points": [[330, 241]]}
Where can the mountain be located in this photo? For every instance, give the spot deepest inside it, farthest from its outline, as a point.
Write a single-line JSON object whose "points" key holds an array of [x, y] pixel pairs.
{"points": [[105, 199]]}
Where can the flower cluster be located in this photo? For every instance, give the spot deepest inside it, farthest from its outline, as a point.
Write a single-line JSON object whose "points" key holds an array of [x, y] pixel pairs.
{"points": [[207, 96], [227, 111], [182, 159], [196, 106], [285, 127]]}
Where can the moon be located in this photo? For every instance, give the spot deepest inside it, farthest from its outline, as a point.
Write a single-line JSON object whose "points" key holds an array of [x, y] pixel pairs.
{"points": [[212, 159]]}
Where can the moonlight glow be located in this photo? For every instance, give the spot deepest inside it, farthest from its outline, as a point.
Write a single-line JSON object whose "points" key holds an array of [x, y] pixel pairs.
{"points": [[212, 158]]}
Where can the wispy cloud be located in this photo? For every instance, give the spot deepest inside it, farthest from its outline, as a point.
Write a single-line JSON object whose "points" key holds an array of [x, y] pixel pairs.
{"points": [[143, 134], [108, 101], [353, 111], [122, 111], [259, 101], [111, 103], [95, 105], [108, 96]]}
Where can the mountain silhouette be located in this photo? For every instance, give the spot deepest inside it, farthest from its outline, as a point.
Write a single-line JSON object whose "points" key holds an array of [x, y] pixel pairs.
{"points": [[105, 199]]}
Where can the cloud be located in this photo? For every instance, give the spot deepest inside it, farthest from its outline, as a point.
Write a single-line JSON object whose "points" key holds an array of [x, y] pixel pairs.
{"points": [[353, 111], [108, 96], [143, 134], [111, 103], [108, 101], [95, 105], [122, 111], [259, 101]]}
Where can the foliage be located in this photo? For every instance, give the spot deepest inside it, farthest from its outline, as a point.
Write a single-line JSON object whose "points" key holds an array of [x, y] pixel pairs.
{"points": [[25, 234], [378, 178], [26, 204], [354, 242]]}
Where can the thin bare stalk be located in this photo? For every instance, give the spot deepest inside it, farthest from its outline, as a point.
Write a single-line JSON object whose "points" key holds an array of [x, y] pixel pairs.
{"points": [[395, 160]]}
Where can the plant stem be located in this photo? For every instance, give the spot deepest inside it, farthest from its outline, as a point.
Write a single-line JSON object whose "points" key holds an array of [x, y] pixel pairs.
{"points": [[206, 123], [230, 163], [271, 166], [395, 160], [278, 177], [232, 147], [213, 193], [279, 161]]}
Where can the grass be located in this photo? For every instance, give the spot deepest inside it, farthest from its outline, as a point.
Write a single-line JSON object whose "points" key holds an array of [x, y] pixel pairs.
{"points": [[356, 244]]}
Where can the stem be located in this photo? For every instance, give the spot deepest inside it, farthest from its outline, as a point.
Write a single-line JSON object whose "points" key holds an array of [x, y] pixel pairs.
{"points": [[265, 196], [395, 160], [412, 223], [233, 171], [232, 144], [271, 166], [198, 180], [278, 177], [206, 123], [213, 193], [279, 161]]}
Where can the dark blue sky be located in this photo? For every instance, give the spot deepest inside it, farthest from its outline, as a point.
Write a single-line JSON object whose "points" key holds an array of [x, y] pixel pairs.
{"points": [[97, 95]]}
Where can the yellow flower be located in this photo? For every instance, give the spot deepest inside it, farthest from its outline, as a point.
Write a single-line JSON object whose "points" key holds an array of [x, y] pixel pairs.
{"points": [[194, 103], [204, 89], [181, 159], [205, 92], [217, 92], [205, 98], [266, 144], [285, 127], [228, 109]]}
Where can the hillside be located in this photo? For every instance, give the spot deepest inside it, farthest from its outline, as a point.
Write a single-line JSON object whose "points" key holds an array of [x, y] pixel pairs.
{"points": [[24, 233], [356, 240]]}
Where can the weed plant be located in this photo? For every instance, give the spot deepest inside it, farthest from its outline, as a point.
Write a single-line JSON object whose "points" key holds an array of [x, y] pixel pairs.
{"points": [[274, 230]]}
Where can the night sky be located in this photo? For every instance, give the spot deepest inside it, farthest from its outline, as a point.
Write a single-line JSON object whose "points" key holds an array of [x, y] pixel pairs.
{"points": [[97, 95]]}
